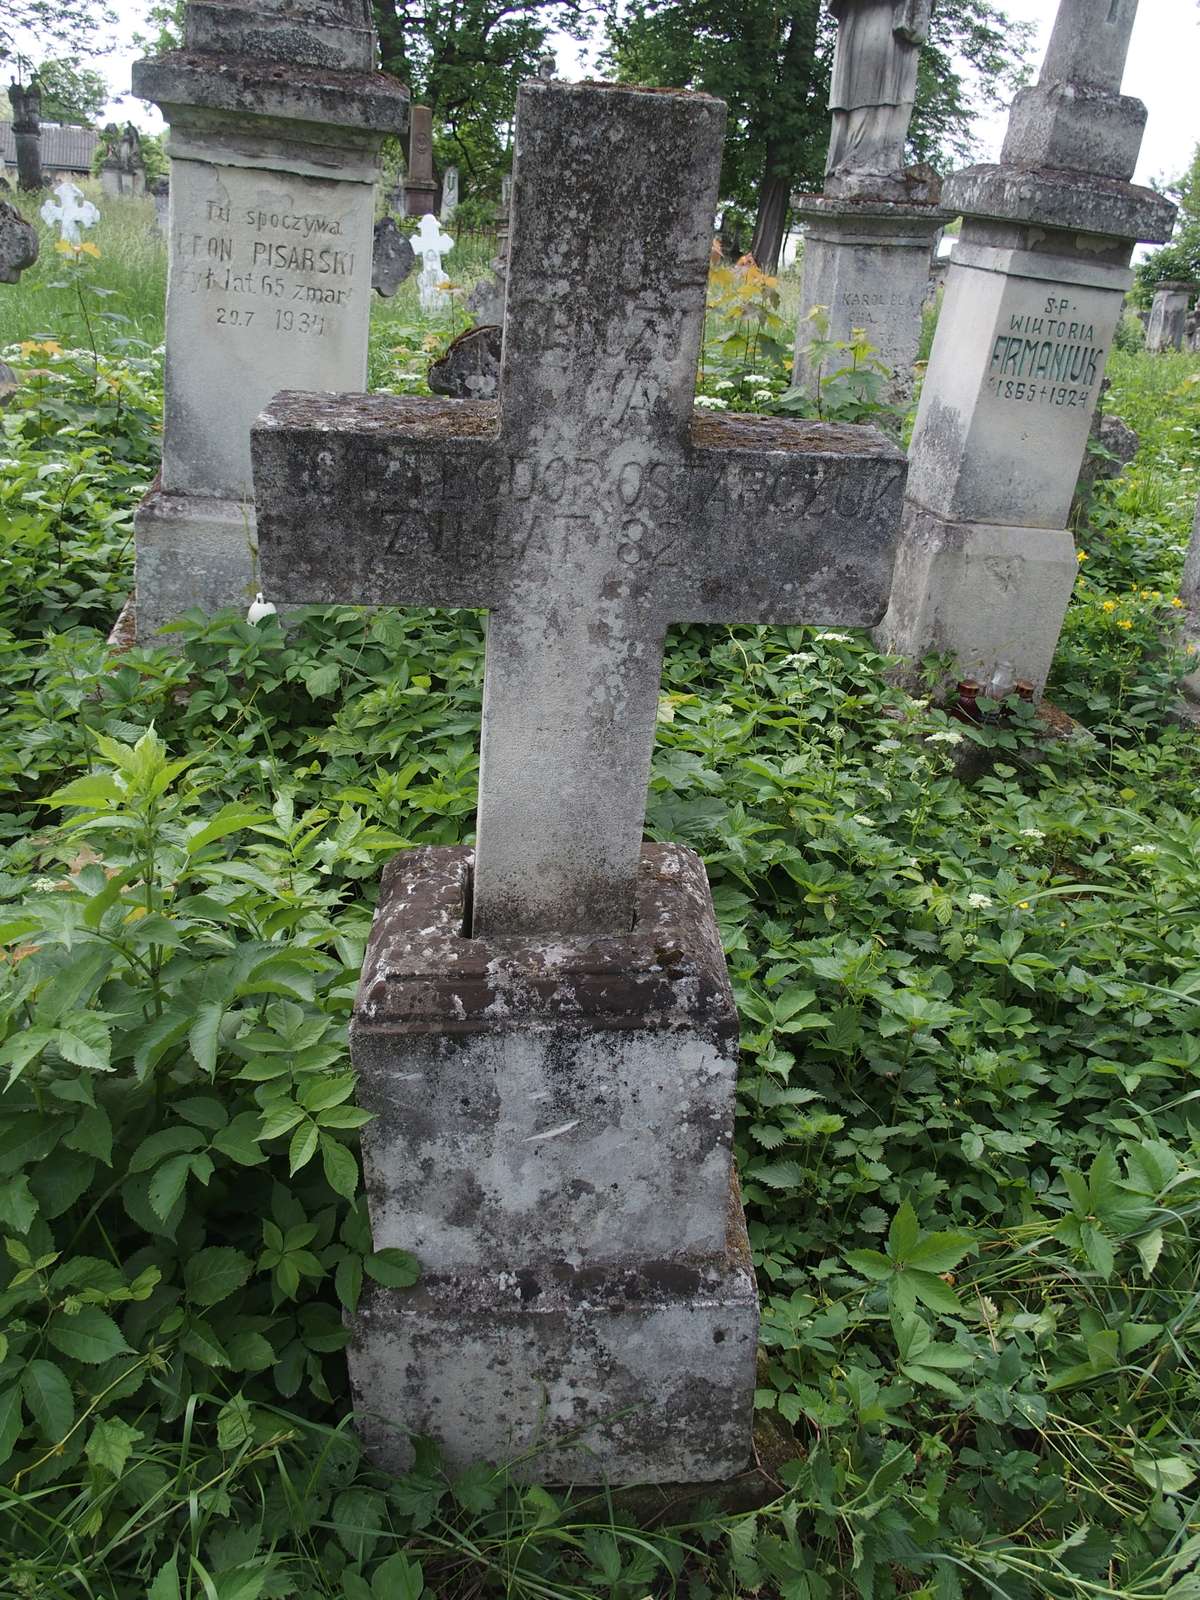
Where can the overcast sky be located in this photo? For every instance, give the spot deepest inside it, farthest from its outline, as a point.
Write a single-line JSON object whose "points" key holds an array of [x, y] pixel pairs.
{"points": [[1163, 70]]}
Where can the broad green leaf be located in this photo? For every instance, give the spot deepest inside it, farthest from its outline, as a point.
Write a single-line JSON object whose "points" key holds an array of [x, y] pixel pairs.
{"points": [[17, 1205], [204, 1035], [871, 1263], [228, 820], [214, 1274], [303, 1147], [235, 1426], [111, 1443], [166, 1582], [394, 1269], [341, 1169], [168, 1184], [776, 1174], [10, 1420], [48, 1396], [95, 791], [1166, 1474], [167, 1142], [903, 1233], [89, 1335], [84, 1040], [1149, 1248], [398, 1578], [938, 1252], [932, 1292]]}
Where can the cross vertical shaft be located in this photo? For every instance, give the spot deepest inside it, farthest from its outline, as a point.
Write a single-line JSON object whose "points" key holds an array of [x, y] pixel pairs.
{"points": [[603, 323]]}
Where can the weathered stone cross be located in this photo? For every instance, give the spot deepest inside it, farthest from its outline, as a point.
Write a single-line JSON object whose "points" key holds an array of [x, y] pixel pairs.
{"points": [[589, 507]]}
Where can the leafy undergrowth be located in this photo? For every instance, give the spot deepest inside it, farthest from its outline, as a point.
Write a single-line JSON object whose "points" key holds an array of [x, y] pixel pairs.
{"points": [[971, 1031]]}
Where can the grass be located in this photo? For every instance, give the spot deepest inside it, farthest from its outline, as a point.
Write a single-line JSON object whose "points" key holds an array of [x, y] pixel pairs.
{"points": [[966, 1108]]}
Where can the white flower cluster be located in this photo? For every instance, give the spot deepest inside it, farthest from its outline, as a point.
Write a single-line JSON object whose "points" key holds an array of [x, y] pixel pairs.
{"points": [[1145, 850], [979, 902], [836, 638], [801, 658], [710, 402], [763, 394], [725, 383], [755, 377], [1032, 833], [945, 736]]}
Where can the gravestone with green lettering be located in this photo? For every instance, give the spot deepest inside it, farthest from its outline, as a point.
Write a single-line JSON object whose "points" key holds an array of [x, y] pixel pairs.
{"points": [[1034, 293]]}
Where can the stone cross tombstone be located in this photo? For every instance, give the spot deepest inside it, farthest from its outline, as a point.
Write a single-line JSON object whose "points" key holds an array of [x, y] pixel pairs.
{"points": [[69, 211], [1034, 293], [1168, 315], [544, 1025], [276, 122], [869, 236], [18, 243], [432, 244], [420, 186]]}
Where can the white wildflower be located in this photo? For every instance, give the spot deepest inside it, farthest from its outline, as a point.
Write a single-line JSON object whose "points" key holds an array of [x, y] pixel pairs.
{"points": [[863, 821], [756, 377], [979, 902], [945, 736], [724, 383], [836, 638], [886, 746], [43, 885], [1144, 850], [709, 402], [1032, 833], [802, 658], [763, 394]]}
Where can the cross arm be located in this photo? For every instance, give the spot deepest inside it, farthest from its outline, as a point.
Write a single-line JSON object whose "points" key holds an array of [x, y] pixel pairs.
{"points": [[377, 500], [784, 521]]}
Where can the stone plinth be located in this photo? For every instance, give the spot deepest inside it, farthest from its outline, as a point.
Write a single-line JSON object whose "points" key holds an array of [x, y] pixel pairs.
{"points": [[868, 262], [1034, 294], [1168, 315], [276, 124], [18, 243], [552, 1138]]}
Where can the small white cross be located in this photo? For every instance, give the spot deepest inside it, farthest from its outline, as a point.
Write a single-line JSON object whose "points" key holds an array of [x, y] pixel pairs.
{"points": [[71, 212], [431, 244]]}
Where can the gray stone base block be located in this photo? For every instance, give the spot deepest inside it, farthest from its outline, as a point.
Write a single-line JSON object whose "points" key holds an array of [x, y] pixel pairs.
{"points": [[993, 597], [868, 263], [191, 552], [564, 1098], [635, 1374]]}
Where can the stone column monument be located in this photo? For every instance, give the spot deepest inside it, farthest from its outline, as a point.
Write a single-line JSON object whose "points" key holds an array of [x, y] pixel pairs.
{"points": [[26, 105], [1033, 297], [276, 121], [868, 237], [420, 186], [1169, 315], [544, 1026]]}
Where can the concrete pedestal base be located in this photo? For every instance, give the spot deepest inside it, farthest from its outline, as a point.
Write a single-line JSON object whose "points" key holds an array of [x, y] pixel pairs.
{"points": [[553, 1119], [642, 1373], [191, 551], [868, 262], [993, 597]]}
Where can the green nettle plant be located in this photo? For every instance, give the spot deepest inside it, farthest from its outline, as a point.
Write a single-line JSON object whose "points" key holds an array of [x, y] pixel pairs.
{"points": [[967, 1113]]}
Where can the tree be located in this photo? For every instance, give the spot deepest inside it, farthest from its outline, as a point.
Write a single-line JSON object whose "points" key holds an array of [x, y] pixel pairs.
{"points": [[43, 28], [465, 60], [1180, 259], [71, 94], [770, 60]]}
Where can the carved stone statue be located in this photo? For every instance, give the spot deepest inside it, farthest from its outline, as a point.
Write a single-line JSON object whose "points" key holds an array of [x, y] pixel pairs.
{"points": [[874, 87]]}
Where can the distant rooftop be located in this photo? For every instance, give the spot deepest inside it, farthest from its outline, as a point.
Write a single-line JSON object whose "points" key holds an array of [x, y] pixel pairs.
{"points": [[63, 149]]}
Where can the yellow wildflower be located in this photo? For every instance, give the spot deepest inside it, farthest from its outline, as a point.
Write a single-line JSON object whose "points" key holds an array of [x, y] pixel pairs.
{"points": [[1022, 905], [1109, 605], [49, 347], [1081, 555], [1124, 622], [65, 247], [1176, 601], [87, 248]]}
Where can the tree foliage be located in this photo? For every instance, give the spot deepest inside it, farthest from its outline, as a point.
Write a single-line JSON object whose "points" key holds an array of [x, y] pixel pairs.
{"points": [[1180, 258], [70, 93], [771, 63], [465, 60], [33, 31]]}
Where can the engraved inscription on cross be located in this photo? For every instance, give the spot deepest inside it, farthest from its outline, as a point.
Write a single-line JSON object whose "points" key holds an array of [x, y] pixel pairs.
{"points": [[589, 507]]}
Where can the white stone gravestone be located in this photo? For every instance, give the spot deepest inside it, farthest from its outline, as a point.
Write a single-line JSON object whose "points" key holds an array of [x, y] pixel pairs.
{"points": [[276, 122], [869, 236], [1034, 293], [544, 1025], [69, 212], [431, 245]]}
